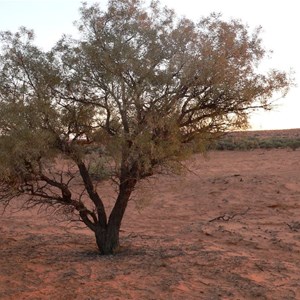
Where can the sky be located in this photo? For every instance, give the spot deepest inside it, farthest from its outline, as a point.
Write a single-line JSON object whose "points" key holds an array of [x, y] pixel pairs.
{"points": [[279, 19]]}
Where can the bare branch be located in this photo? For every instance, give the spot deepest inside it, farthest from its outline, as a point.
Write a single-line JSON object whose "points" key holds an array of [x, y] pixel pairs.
{"points": [[227, 217]]}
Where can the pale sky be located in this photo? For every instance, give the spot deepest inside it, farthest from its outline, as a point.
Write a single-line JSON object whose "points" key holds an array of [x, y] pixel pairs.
{"points": [[279, 19]]}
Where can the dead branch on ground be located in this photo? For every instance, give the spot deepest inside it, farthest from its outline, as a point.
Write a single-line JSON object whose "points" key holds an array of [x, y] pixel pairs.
{"points": [[226, 217]]}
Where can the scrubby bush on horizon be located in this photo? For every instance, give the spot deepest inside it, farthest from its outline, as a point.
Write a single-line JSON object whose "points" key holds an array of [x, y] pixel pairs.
{"points": [[250, 143], [143, 84]]}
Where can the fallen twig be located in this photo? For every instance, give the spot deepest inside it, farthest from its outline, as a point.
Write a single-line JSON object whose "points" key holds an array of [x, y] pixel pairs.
{"points": [[227, 217], [295, 226]]}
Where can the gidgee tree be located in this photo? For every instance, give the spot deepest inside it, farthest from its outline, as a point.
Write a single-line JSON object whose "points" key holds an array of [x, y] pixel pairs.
{"points": [[142, 86]]}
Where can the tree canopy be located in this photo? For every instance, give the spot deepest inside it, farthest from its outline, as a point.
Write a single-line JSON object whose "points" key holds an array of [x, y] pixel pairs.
{"points": [[141, 86]]}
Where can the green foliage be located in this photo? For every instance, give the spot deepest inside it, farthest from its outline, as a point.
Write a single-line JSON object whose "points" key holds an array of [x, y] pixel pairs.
{"points": [[99, 167]]}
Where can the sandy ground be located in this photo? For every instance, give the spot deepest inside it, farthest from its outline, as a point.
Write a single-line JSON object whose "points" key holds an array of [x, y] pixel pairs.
{"points": [[229, 229]]}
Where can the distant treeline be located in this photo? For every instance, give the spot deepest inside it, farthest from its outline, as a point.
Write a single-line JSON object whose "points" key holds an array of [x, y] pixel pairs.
{"points": [[247, 142]]}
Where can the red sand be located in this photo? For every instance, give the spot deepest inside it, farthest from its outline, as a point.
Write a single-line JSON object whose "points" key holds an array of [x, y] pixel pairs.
{"points": [[230, 229]]}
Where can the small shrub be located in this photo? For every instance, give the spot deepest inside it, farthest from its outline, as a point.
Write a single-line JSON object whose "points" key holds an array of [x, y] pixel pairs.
{"points": [[294, 144], [99, 169]]}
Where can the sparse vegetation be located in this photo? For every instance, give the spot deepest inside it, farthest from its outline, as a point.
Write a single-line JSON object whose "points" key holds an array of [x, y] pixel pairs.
{"points": [[248, 142]]}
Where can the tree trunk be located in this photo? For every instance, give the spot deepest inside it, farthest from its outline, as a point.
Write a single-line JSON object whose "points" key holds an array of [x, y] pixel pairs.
{"points": [[107, 239]]}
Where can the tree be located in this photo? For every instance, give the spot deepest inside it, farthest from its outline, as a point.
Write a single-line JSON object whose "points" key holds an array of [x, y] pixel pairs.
{"points": [[141, 86]]}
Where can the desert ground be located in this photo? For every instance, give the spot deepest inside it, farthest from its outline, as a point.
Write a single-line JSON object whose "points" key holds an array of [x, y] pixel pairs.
{"points": [[229, 228]]}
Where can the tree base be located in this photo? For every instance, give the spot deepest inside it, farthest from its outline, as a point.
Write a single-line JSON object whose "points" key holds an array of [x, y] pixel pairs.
{"points": [[108, 241]]}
